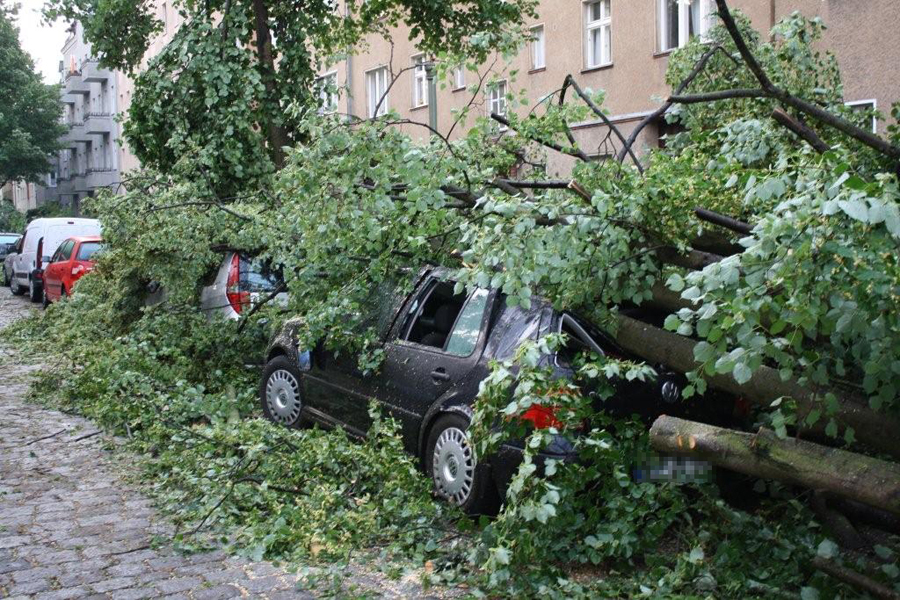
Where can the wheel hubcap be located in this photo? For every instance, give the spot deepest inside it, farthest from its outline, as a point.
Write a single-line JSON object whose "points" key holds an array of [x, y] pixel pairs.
{"points": [[283, 397], [453, 465]]}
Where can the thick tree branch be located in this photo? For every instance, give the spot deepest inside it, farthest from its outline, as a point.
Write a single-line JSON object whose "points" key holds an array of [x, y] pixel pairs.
{"points": [[720, 95], [801, 130], [866, 137], [721, 220]]}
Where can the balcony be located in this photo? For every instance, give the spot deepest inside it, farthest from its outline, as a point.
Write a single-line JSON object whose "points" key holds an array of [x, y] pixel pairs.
{"points": [[68, 98], [76, 85], [64, 186], [92, 73], [98, 123], [79, 183], [101, 178], [74, 135]]}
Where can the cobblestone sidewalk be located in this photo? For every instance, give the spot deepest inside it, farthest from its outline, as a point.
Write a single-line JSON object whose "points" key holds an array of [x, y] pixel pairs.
{"points": [[70, 527]]}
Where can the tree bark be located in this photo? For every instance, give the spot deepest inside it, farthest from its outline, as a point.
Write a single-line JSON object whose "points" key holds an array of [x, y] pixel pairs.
{"points": [[798, 462], [857, 580], [276, 134], [879, 430]]}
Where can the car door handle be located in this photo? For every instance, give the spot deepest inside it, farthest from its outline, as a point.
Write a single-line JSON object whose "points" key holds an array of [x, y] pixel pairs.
{"points": [[440, 374]]}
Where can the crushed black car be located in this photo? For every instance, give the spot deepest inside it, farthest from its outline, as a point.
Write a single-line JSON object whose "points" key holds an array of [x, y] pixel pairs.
{"points": [[437, 348]]}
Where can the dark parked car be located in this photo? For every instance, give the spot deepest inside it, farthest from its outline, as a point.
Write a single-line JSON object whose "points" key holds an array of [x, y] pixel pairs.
{"points": [[438, 346]]}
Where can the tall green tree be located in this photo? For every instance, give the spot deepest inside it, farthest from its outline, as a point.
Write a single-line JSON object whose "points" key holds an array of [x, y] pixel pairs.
{"points": [[225, 86], [29, 109]]}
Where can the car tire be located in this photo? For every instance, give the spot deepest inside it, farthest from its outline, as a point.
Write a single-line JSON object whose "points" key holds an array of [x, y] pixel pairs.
{"points": [[33, 292], [457, 476], [45, 301], [14, 287], [281, 393]]}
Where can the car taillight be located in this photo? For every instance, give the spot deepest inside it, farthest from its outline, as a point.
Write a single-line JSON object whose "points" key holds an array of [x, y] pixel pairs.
{"points": [[542, 417], [236, 297]]}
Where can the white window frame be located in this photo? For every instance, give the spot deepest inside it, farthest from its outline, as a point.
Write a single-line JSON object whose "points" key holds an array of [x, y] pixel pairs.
{"points": [[328, 98], [459, 78], [419, 81], [376, 78], [706, 20], [497, 102], [604, 22], [874, 104], [538, 47]]}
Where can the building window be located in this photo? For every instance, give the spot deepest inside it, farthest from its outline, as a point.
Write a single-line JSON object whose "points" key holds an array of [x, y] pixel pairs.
{"points": [[538, 57], [497, 100], [598, 34], [420, 82], [866, 106], [376, 89], [327, 92], [459, 77], [678, 20]]}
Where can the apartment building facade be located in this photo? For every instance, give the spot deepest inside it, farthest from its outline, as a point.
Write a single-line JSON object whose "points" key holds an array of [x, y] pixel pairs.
{"points": [[89, 158], [619, 46]]}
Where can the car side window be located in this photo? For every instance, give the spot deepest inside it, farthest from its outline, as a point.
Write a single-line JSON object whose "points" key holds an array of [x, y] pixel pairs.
{"points": [[65, 251], [431, 316], [468, 325]]}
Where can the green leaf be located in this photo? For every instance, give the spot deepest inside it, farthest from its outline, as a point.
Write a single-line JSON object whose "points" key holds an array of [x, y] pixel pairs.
{"points": [[742, 373], [675, 282], [827, 549]]}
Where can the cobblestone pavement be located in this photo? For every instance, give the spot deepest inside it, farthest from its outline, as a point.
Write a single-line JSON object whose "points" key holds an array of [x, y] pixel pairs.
{"points": [[70, 527]]}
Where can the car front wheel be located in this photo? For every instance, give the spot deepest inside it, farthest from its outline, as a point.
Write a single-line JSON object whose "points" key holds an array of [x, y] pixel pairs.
{"points": [[457, 476], [34, 292], [281, 392]]}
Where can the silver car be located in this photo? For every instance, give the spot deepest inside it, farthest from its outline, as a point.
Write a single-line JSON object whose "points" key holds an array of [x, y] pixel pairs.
{"points": [[233, 288], [9, 247]]}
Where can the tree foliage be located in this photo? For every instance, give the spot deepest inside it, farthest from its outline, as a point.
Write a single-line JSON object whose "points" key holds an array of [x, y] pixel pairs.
{"points": [[29, 110], [217, 93]]}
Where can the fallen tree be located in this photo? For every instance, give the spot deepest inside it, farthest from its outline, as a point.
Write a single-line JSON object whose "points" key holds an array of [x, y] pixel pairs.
{"points": [[764, 387], [798, 462]]}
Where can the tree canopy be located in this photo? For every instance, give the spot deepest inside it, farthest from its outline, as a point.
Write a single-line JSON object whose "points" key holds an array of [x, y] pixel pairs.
{"points": [[233, 82], [29, 110]]}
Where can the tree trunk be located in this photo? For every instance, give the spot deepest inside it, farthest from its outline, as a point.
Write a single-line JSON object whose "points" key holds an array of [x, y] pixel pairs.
{"points": [[277, 136], [656, 345], [798, 462]]}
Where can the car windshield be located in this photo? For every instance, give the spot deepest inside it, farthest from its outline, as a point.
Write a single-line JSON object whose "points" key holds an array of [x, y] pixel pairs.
{"points": [[88, 250], [8, 239], [578, 340]]}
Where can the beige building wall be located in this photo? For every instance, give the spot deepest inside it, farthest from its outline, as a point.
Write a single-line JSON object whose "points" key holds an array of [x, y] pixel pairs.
{"points": [[171, 20], [862, 33]]}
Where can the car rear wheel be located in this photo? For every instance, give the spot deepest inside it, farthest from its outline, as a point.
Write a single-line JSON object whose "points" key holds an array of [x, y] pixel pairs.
{"points": [[281, 392], [457, 476], [14, 286], [45, 301]]}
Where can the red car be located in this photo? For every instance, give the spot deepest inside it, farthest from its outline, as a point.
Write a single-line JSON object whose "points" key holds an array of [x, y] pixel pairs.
{"points": [[72, 260]]}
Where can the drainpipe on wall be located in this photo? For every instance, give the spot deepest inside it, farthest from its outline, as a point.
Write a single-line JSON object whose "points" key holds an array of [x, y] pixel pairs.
{"points": [[349, 76], [432, 96]]}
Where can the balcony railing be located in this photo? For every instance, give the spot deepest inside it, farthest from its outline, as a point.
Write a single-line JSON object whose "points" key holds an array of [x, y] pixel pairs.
{"points": [[96, 123], [92, 73]]}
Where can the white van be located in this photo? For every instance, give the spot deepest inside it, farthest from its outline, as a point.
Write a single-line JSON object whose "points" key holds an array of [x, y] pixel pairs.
{"points": [[42, 238]]}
